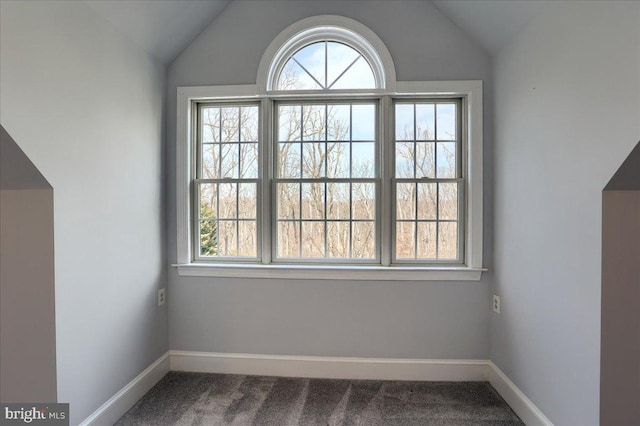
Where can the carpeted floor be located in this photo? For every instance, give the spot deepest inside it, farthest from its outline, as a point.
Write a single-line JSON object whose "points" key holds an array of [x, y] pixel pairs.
{"points": [[220, 399]]}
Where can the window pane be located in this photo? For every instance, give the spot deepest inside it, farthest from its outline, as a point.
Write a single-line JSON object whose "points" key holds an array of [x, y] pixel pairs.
{"points": [[249, 160], [313, 239], [230, 160], [339, 57], [427, 199], [338, 201], [313, 200], [249, 124], [289, 160], [425, 160], [312, 58], [338, 122], [248, 238], [227, 200], [448, 201], [364, 240], [247, 198], [338, 239], [446, 159], [210, 161], [405, 242], [364, 160], [313, 160], [288, 201], [227, 240], [230, 124], [288, 239], [293, 77], [405, 201], [210, 125], [338, 159], [363, 198], [358, 76], [404, 159], [328, 153], [326, 65], [447, 240], [446, 121], [425, 122], [404, 122], [363, 122], [426, 240], [208, 200], [313, 123], [289, 123], [208, 238]]}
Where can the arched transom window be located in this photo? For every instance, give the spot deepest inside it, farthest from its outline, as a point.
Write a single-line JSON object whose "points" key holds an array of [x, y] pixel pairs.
{"points": [[326, 65], [328, 58]]}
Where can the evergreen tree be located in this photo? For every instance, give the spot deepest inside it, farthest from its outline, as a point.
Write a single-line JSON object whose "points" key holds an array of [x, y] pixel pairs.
{"points": [[208, 232]]}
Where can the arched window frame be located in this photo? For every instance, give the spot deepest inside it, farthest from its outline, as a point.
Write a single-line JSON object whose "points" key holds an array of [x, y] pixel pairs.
{"points": [[388, 91], [326, 28]]}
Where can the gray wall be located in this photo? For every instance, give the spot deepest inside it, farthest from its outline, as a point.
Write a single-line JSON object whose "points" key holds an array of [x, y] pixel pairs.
{"points": [[87, 109], [567, 107], [332, 318], [27, 301], [620, 352], [620, 339], [27, 305]]}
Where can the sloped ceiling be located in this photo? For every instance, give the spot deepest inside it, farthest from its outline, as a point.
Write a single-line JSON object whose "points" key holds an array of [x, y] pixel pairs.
{"points": [[16, 169], [164, 28], [492, 23], [627, 178]]}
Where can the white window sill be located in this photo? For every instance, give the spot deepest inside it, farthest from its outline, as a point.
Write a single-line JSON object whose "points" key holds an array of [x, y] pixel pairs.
{"points": [[324, 272]]}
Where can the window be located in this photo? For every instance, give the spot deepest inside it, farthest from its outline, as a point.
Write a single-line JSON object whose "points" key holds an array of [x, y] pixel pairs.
{"points": [[326, 65], [329, 161], [429, 186], [227, 179], [326, 181]]}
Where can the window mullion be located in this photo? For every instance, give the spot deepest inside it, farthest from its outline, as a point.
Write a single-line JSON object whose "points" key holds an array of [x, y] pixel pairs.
{"points": [[387, 203], [265, 171], [326, 170], [351, 182]]}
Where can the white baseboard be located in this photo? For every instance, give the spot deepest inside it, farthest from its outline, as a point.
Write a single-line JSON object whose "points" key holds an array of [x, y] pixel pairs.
{"points": [[523, 407], [318, 367], [121, 402], [330, 367]]}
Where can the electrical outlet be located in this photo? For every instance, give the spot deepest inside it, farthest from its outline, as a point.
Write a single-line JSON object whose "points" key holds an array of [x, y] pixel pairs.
{"points": [[496, 304], [161, 297]]}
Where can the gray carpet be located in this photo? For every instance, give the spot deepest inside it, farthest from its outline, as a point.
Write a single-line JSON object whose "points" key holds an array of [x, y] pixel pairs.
{"points": [[221, 399]]}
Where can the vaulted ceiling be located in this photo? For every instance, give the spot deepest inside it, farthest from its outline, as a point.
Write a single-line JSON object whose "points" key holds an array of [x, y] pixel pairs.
{"points": [[164, 28], [492, 23]]}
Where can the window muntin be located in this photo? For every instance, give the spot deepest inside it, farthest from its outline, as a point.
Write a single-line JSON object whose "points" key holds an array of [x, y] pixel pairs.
{"points": [[227, 183], [326, 65], [428, 185], [326, 182]]}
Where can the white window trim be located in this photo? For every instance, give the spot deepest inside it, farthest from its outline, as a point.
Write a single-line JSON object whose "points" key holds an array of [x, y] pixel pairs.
{"points": [[363, 39], [470, 90]]}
